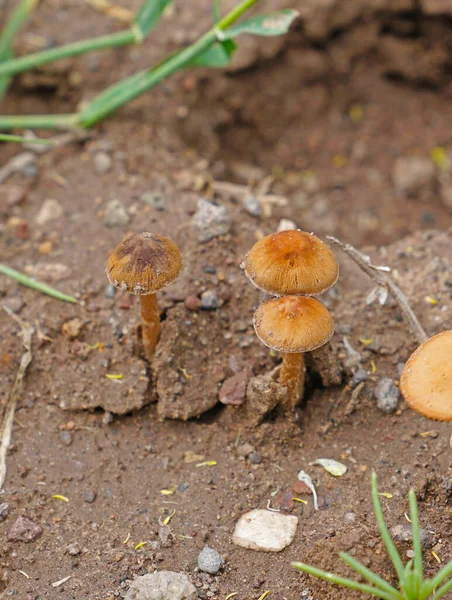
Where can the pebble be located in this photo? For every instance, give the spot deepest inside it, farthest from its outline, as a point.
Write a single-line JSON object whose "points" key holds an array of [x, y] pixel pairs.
{"points": [[116, 214], [359, 376], [110, 291], [412, 173], [73, 550], [4, 510], [245, 449], [102, 162], [209, 300], [286, 225], [252, 206], [157, 201], [162, 585], [192, 302], [66, 437], [387, 395], [233, 390], [210, 561], [14, 194], [255, 458], [89, 496], [24, 530], [49, 211], [265, 531], [350, 517], [107, 419], [403, 533], [210, 220]]}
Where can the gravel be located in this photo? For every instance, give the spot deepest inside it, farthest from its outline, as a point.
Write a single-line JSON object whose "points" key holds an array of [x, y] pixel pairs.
{"points": [[210, 561], [209, 300], [162, 585], [387, 395], [116, 214], [210, 221]]}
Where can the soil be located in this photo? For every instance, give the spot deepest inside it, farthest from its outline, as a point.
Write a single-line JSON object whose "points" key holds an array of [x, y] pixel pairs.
{"points": [[326, 111]]}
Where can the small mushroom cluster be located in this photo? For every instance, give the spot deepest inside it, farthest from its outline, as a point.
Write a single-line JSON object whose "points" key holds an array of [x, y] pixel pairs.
{"points": [[292, 266]]}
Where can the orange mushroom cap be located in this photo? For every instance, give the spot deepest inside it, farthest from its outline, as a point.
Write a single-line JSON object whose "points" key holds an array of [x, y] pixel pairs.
{"points": [[291, 262], [426, 380], [293, 324], [144, 263]]}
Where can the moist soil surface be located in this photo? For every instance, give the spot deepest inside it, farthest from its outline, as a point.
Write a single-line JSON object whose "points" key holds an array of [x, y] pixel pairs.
{"points": [[326, 112]]}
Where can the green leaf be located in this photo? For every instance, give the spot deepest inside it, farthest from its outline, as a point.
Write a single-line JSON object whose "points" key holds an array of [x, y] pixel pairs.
{"points": [[149, 13], [216, 11], [276, 23], [217, 56], [4, 137]]}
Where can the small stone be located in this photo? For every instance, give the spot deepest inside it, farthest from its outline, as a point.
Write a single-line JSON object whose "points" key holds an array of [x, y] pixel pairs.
{"points": [[183, 487], [252, 206], [403, 533], [412, 174], [387, 395], [45, 247], [24, 530], [245, 449], [127, 302], [286, 225], [89, 496], [102, 162], [210, 561], [49, 211], [15, 304], [210, 220], [4, 510], [192, 302], [166, 536], [255, 458], [107, 419], [157, 201], [284, 501], [359, 376], [73, 550], [209, 300], [72, 328], [66, 437], [110, 291], [301, 489], [162, 585], [264, 530], [233, 390], [350, 517], [14, 194], [116, 214]]}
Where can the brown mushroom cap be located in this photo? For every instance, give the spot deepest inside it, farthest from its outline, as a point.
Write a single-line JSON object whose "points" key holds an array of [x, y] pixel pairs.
{"points": [[293, 324], [144, 263], [426, 380], [291, 262]]}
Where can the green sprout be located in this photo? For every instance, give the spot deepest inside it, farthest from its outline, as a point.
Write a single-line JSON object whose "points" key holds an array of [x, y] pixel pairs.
{"points": [[412, 585], [213, 49]]}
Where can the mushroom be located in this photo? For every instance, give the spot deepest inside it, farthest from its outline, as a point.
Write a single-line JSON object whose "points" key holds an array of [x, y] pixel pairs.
{"points": [[291, 262], [426, 380], [143, 264], [293, 325]]}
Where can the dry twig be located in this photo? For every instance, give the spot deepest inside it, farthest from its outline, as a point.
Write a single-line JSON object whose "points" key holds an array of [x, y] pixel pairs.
{"points": [[385, 285], [10, 408]]}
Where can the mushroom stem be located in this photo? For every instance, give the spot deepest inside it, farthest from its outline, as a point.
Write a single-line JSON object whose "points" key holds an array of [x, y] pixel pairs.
{"points": [[292, 376], [150, 322]]}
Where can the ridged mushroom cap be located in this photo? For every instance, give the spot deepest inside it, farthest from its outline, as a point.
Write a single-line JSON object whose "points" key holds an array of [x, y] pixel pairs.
{"points": [[293, 324], [291, 262], [144, 263], [426, 380]]}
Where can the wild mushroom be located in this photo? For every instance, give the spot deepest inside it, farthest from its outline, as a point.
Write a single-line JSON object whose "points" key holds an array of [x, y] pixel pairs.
{"points": [[426, 380], [143, 264], [291, 262], [293, 325]]}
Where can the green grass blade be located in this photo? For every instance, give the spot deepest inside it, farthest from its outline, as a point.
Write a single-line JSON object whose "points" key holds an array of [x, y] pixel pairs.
{"points": [[447, 587], [39, 122], [36, 285], [417, 546], [349, 583], [4, 137], [435, 581], [148, 15], [5, 81], [276, 23], [370, 575], [17, 18], [384, 531]]}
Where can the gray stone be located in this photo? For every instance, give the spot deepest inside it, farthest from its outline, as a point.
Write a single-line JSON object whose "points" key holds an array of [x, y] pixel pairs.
{"points": [[157, 201], [110, 291], [102, 162], [264, 530], [209, 300], [49, 211], [162, 585], [233, 390], [252, 206], [210, 561], [24, 530], [73, 550], [255, 458], [66, 437], [403, 533], [387, 395], [411, 174], [4, 510], [359, 376], [89, 496], [210, 220], [116, 214]]}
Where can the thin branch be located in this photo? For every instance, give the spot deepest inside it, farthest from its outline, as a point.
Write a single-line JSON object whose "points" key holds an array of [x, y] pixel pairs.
{"points": [[384, 280], [8, 418]]}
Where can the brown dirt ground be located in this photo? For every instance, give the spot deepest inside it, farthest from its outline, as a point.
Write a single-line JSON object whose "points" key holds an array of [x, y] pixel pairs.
{"points": [[284, 110]]}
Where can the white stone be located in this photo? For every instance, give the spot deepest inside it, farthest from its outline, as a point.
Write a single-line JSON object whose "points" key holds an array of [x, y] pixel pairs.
{"points": [[265, 530], [286, 225], [162, 585], [50, 210]]}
